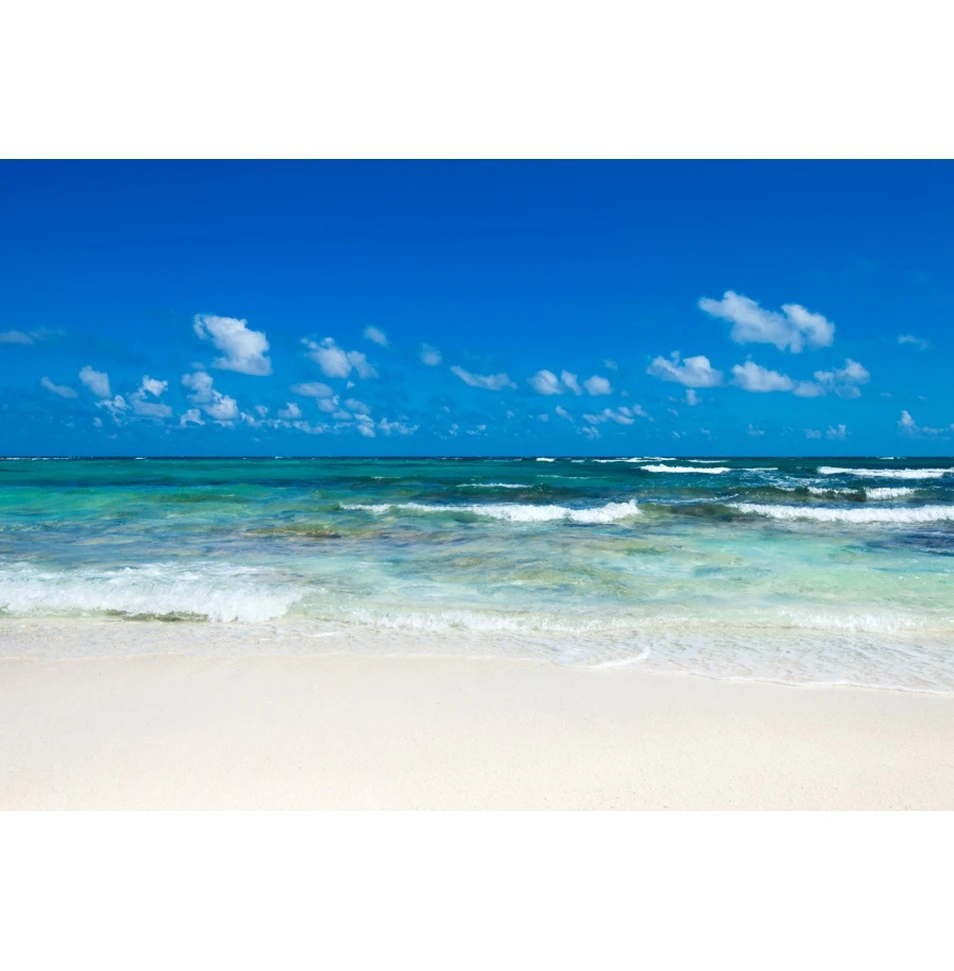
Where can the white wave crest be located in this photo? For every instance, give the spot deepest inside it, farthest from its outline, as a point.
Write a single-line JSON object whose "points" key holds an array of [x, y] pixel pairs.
{"points": [[216, 591], [887, 473], [543, 459], [714, 470], [909, 514], [872, 492], [515, 512], [498, 485]]}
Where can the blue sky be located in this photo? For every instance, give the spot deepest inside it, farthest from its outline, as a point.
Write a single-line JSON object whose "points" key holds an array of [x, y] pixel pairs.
{"points": [[336, 308]]}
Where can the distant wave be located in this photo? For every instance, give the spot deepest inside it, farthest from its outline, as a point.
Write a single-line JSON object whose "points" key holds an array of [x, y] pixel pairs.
{"points": [[907, 514], [887, 473], [495, 485], [542, 459], [513, 512], [715, 470]]}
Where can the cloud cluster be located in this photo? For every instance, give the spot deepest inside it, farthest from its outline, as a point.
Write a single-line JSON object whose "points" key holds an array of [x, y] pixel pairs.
{"points": [[794, 328], [243, 350], [219, 407], [621, 415]]}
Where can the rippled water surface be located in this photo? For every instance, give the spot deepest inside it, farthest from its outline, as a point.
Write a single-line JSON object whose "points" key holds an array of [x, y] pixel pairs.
{"points": [[796, 570]]}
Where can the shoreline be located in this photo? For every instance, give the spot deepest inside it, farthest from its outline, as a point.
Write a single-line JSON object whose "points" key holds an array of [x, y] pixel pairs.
{"points": [[397, 732]]}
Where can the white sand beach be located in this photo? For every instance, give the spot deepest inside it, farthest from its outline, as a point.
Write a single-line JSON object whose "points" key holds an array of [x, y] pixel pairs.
{"points": [[339, 732]]}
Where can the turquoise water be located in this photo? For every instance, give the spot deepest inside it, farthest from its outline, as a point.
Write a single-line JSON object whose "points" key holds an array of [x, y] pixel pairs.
{"points": [[795, 570]]}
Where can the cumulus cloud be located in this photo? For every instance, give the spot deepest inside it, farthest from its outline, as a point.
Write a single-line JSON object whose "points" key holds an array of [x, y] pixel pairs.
{"points": [[312, 389], [918, 342], [150, 409], [752, 377], [812, 433], [243, 350], [96, 381], [430, 356], [291, 410], [336, 362], [691, 397], [597, 385], [563, 413], [115, 406], [909, 426], [358, 406], [794, 328], [546, 382], [376, 335], [192, 417], [59, 389], [694, 372], [396, 427], [218, 406], [836, 433], [328, 405], [843, 382], [490, 382]]}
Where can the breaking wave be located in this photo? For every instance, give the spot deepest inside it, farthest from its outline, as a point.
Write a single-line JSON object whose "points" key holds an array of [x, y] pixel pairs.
{"points": [[513, 512], [907, 514]]}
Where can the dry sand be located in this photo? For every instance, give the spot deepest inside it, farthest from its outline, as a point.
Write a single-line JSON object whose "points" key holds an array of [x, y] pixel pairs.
{"points": [[167, 732]]}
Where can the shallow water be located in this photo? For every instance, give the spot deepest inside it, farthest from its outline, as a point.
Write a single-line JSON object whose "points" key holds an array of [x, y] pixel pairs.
{"points": [[779, 569]]}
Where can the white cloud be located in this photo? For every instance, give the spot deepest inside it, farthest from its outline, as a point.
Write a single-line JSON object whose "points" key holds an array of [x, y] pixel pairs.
{"points": [[60, 389], [844, 381], [336, 362], [794, 328], [96, 381], [908, 425], [28, 337], [812, 433], [115, 407], [261, 410], [920, 343], [490, 382], [755, 432], [312, 389], [430, 356], [546, 382], [365, 426], [243, 349], [836, 433], [610, 365], [328, 405], [223, 408], [694, 372], [291, 410], [396, 427], [153, 386], [191, 417], [150, 409], [808, 389], [622, 416], [216, 405], [358, 406], [16, 337], [563, 413], [752, 377], [597, 385], [376, 335], [691, 397]]}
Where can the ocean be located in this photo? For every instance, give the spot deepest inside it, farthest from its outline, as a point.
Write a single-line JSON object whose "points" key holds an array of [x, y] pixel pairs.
{"points": [[802, 571]]}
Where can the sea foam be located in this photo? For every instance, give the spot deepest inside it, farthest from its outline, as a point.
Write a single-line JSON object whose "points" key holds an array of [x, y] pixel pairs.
{"points": [[513, 512], [887, 473], [906, 514]]}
